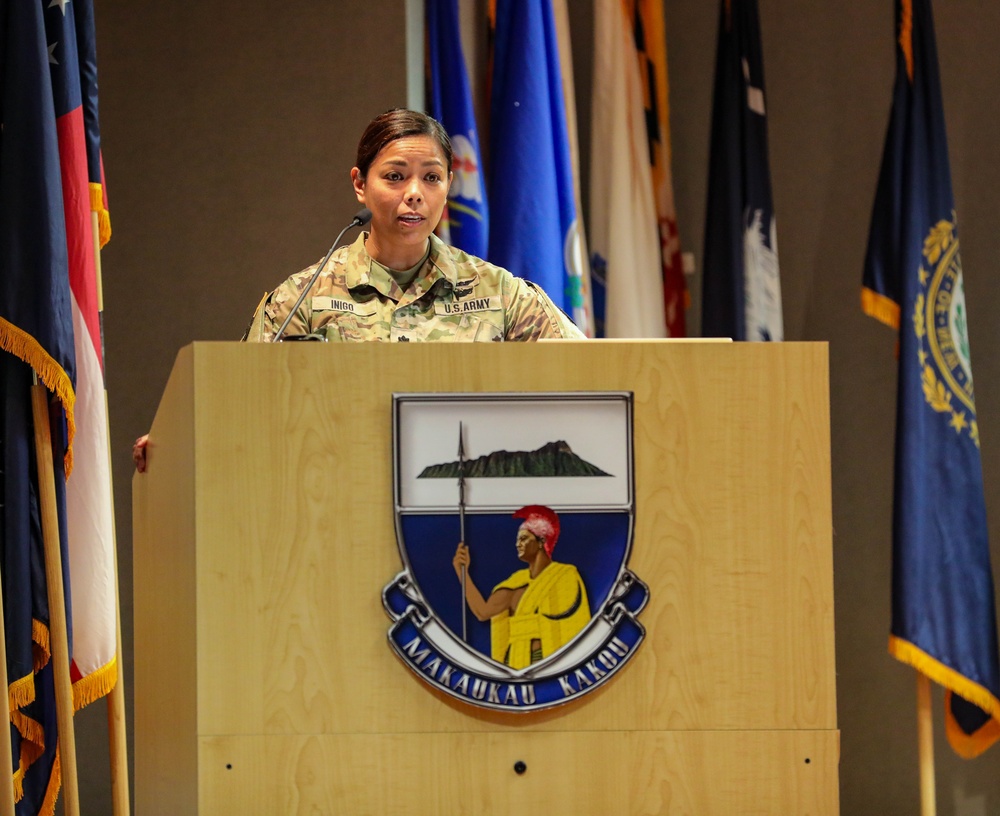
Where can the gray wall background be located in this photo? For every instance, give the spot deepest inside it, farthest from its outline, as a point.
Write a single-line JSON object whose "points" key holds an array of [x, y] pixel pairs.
{"points": [[229, 130]]}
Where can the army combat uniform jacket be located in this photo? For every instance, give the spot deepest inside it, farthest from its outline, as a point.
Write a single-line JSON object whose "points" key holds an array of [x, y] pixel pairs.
{"points": [[454, 296]]}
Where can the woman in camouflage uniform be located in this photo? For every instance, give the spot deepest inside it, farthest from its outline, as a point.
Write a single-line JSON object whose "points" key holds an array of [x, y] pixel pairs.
{"points": [[398, 281]]}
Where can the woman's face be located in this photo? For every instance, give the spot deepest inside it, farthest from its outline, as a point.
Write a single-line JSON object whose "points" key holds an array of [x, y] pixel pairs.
{"points": [[406, 189]]}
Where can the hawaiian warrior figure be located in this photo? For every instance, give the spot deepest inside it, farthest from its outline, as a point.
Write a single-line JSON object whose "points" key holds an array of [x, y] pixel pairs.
{"points": [[538, 609]]}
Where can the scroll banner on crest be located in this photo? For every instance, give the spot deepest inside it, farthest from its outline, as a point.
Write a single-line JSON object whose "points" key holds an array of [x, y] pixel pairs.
{"points": [[943, 607], [432, 652]]}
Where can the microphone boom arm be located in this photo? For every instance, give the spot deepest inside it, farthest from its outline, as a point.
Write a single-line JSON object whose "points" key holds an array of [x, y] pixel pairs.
{"points": [[359, 220]]}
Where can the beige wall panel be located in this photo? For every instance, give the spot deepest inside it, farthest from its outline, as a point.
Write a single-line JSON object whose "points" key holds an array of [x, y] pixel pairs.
{"points": [[684, 772], [295, 538]]}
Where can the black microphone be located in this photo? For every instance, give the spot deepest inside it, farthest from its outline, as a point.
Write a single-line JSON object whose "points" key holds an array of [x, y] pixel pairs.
{"points": [[359, 220]]}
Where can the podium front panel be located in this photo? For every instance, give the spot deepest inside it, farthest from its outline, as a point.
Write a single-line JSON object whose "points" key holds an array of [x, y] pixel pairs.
{"points": [[265, 533]]}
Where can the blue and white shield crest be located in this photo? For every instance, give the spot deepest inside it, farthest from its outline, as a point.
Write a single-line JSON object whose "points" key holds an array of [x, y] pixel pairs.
{"points": [[514, 519]]}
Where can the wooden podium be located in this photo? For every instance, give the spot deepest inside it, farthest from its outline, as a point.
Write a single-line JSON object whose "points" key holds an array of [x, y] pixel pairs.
{"points": [[264, 533]]}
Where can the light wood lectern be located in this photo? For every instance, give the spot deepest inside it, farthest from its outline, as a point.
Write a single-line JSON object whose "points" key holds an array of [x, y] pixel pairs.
{"points": [[264, 533]]}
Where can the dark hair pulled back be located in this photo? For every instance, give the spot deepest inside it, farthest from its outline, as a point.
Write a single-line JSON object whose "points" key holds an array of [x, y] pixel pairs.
{"points": [[394, 124]]}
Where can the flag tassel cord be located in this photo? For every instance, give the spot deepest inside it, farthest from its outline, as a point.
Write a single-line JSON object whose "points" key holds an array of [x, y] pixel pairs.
{"points": [[57, 599], [117, 737], [925, 746]]}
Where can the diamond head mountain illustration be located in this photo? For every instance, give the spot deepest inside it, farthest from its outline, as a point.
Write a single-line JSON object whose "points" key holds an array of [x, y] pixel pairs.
{"points": [[553, 459]]}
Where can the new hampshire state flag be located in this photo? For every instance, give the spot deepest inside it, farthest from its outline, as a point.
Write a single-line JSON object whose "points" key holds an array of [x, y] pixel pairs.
{"points": [[943, 610]]}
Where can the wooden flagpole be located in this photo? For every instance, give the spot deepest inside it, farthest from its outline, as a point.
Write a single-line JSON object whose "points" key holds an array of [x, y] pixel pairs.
{"points": [[58, 630], [117, 736], [6, 751], [925, 745], [117, 739]]}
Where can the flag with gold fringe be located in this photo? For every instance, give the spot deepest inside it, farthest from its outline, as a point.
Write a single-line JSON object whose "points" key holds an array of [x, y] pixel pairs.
{"points": [[53, 210], [943, 608], [36, 336], [70, 28], [30, 693]]}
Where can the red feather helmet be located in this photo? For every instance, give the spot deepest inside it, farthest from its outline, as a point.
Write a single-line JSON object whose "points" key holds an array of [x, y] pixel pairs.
{"points": [[542, 522]]}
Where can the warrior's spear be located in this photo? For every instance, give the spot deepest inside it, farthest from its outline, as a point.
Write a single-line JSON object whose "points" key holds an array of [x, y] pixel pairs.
{"points": [[461, 520]]}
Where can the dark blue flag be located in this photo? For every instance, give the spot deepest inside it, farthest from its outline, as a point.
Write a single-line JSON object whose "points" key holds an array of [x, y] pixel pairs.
{"points": [[26, 611], [36, 335], [741, 290], [533, 220], [943, 610], [451, 104]]}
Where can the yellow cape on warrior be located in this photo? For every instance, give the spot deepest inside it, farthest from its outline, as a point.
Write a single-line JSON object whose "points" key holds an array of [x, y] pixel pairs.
{"points": [[537, 610], [551, 612]]}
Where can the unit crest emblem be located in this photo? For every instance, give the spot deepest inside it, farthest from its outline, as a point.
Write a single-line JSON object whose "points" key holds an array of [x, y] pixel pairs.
{"points": [[514, 518]]}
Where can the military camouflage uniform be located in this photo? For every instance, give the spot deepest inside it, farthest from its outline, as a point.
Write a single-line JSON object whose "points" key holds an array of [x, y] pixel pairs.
{"points": [[454, 296]]}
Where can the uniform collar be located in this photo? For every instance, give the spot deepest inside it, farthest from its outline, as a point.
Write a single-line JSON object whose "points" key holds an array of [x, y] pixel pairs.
{"points": [[361, 272]]}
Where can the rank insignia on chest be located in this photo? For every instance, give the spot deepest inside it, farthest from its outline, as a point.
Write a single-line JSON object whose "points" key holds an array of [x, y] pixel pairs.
{"points": [[464, 287], [515, 592]]}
